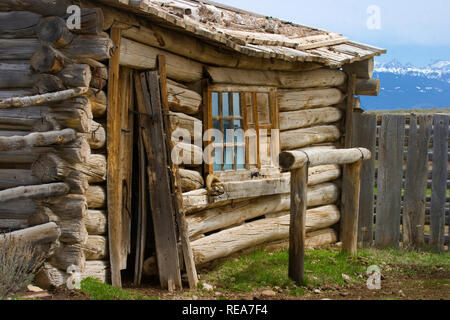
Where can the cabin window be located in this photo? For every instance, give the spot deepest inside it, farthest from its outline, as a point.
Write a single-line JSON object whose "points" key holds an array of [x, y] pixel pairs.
{"points": [[243, 122]]}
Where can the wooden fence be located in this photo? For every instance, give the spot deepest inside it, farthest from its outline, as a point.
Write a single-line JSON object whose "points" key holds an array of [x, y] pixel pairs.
{"points": [[404, 188]]}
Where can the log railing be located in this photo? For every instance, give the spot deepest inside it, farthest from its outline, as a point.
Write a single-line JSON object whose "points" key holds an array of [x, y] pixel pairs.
{"points": [[298, 162]]}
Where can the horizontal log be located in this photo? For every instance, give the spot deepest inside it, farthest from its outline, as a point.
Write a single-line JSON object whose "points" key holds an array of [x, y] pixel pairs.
{"points": [[51, 168], [99, 77], [66, 207], [43, 215], [367, 87], [21, 209], [292, 100], [98, 101], [362, 69], [42, 234], [288, 80], [54, 31], [34, 192], [76, 151], [198, 50], [96, 248], [290, 160], [43, 7], [12, 93], [182, 125], [139, 56], [47, 59], [75, 75], [299, 138], [7, 225], [89, 47], [191, 180], [67, 256], [223, 217], [91, 21], [227, 242], [18, 24], [43, 98], [37, 139], [96, 222], [11, 178], [183, 100], [73, 232], [188, 155], [50, 277], [96, 197], [96, 135], [18, 49], [199, 200], [16, 74], [308, 118]]}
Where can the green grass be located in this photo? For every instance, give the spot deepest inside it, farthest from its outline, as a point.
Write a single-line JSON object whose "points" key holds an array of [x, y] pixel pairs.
{"points": [[100, 291], [261, 270]]}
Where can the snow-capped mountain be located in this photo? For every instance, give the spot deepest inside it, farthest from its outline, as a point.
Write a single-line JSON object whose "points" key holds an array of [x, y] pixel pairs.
{"points": [[405, 86]]}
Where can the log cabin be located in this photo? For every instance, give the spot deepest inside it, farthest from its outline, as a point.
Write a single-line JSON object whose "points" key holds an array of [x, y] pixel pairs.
{"points": [[140, 137]]}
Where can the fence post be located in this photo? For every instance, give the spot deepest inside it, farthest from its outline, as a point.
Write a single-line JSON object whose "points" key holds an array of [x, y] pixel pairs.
{"points": [[439, 184], [350, 204], [299, 185], [416, 181], [390, 178], [365, 135]]}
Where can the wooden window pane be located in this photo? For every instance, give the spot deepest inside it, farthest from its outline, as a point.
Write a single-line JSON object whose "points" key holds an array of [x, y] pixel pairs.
{"points": [[218, 159], [240, 158], [215, 104], [263, 108]]}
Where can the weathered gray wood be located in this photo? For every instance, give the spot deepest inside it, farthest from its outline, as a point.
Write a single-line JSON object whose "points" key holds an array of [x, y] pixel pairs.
{"points": [[66, 207], [299, 138], [45, 233], [350, 206], [43, 7], [54, 31], [33, 192], [11, 178], [18, 24], [16, 74], [37, 139], [390, 173], [41, 99], [18, 49], [93, 47], [297, 230], [416, 181], [364, 135], [161, 201], [362, 69], [367, 87], [438, 193], [91, 21]]}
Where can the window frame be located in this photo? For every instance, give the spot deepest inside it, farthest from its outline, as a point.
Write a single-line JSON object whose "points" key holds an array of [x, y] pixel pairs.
{"points": [[274, 117]]}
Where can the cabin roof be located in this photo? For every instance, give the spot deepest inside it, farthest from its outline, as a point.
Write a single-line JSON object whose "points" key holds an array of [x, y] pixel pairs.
{"points": [[252, 34]]}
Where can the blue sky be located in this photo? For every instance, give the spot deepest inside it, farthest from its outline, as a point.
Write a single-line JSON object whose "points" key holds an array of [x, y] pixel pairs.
{"points": [[412, 31]]}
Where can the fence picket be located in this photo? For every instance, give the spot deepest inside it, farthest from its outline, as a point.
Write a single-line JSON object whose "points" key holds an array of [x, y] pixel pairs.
{"points": [[390, 175], [416, 180], [364, 135], [439, 183]]}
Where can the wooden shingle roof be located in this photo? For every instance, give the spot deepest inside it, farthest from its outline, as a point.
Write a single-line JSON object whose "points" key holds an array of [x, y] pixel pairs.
{"points": [[252, 34]]}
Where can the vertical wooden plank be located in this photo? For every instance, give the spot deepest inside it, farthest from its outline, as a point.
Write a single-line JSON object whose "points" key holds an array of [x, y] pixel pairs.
{"points": [[207, 126], [416, 181], [439, 183], [114, 183], [256, 121], [159, 183], [365, 135], [350, 203], [143, 195], [299, 200], [390, 176], [176, 183]]}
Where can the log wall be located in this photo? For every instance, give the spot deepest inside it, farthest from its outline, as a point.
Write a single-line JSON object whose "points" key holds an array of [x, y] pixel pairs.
{"points": [[40, 56], [311, 115]]}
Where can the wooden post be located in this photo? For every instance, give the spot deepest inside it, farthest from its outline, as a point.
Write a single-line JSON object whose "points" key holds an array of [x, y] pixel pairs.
{"points": [[439, 184], [416, 181], [350, 205], [176, 181], [365, 135], [114, 166], [390, 173], [299, 201]]}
